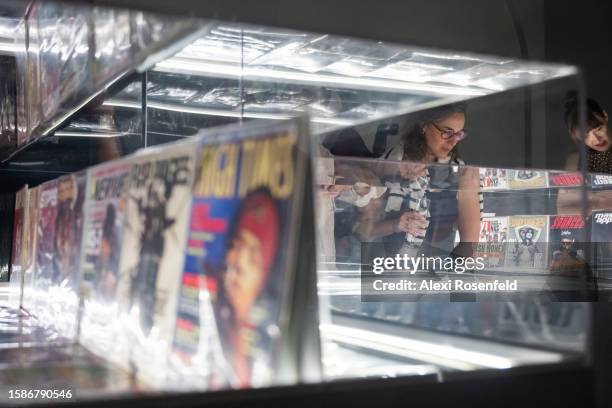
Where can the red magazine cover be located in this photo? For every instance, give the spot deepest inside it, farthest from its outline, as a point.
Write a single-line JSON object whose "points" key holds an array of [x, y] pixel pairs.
{"points": [[564, 179], [44, 271], [245, 201], [16, 276], [30, 249]]}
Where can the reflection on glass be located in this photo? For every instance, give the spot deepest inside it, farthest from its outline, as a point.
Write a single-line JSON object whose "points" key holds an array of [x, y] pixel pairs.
{"points": [[340, 81], [546, 254], [180, 106]]}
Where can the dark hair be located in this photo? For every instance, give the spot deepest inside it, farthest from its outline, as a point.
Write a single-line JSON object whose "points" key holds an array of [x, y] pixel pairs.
{"points": [[594, 114], [415, 145]]}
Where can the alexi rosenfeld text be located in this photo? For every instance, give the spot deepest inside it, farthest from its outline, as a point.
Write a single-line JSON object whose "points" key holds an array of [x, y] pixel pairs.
{"points": [[403, 263]]}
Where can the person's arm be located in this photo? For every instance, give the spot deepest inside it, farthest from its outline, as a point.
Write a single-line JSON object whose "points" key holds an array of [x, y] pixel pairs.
{"points": [[468, 199], [409, 222], [378, 229], [371, 226]]}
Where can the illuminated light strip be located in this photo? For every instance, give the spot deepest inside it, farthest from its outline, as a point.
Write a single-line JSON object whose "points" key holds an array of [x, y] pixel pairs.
{"points": [[402, 352], [219, 112], [83, 134], [182, 65], [35, 163], [12, 47], [421, 350], [197, 111], [340, 282], [337, 282]]}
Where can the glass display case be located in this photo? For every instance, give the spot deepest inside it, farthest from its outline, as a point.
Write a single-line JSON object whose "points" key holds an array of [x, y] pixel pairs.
{"points": [[412, 152], [450, 315]]}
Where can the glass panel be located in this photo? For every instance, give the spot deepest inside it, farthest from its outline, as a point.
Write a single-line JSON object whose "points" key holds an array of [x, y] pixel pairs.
{"points": [[339, 81], [180, 105], [107, 128], [534, 264]]}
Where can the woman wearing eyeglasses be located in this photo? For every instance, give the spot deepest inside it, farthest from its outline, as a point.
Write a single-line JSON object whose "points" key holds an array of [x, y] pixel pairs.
{"points": [[430, 193]]}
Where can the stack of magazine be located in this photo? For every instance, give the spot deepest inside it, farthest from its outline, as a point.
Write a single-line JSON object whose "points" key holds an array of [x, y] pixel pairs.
{"points": [[175, 267]]}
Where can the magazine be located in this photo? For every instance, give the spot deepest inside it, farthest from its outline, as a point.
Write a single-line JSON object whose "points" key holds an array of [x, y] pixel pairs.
{"points": [[564, 179], [19, 221], [30, 249], [63, 291], [45, 252], [567, 235], [492, 241], [103, 291], [527, 249], [158, 206], [494, 179], [601, 238], [245, 200], [520, 179]]}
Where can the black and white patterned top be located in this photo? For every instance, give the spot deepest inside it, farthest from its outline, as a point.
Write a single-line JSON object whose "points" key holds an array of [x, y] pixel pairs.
{"points": [[405, 195]]}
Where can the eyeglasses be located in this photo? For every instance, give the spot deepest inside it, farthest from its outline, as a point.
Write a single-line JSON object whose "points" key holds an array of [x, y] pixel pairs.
{"points": [[449, 133]]}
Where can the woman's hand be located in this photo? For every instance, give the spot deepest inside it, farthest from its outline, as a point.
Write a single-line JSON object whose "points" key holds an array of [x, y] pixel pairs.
{"points": [[412, 222], [361, 188], [333, 191]]}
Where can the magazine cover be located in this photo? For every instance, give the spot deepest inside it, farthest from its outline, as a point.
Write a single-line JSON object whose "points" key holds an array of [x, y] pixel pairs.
{"points": [[63, 290], [492, 241], [245, 198], [69, 229], [19, 221], [29, 250], [600, 180], [564, 179], [101, 248], [519, 179], [155, 234], [494, 179], [567, 233], [601, 237], [45, 253], [527, 248]]}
